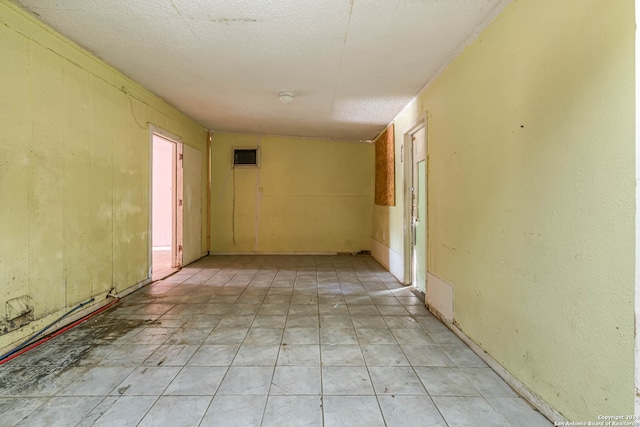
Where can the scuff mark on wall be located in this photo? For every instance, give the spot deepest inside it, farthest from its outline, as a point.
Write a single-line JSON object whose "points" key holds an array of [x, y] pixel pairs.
{"points": [[232, 20]]}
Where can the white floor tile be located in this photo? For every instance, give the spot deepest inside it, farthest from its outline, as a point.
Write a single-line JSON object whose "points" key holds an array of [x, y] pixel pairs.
{"points": [[446, 381], [246, 380], [410, 411], [256, 355], [518, 412], [262, 340], [299, 354], [176, 411], [349, 411], [196, 381], [346, 380], [384, 355], [147, 381], [293, 411], [126, 411], [468, 412], [396, 381], [14, 409], [341, 355], [61, 412], [296, 380]]}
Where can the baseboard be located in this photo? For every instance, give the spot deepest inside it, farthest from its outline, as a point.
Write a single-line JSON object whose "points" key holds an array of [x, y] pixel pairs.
{"points": [[536, 401], [133, 288], [273, 253], [439, 297], [390, 259], [102, 299]]}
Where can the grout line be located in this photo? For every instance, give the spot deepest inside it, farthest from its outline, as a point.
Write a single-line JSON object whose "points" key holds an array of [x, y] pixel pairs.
{"points": [[320, 362], [305, 287]]}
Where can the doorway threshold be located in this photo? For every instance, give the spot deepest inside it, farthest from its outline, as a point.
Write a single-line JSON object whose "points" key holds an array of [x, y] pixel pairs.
{"points": [[163, 273]]}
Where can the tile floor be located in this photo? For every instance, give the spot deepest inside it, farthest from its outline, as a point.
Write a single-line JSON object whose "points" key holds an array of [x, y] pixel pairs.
{"points": [[261, 341], [161, 263]]}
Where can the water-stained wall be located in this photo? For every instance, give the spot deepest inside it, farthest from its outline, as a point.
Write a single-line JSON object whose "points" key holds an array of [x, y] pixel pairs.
{"points": [[74, 173]]}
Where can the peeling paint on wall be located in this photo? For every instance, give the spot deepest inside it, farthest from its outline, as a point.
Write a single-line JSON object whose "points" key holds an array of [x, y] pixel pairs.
{"points": [[74, 172]]}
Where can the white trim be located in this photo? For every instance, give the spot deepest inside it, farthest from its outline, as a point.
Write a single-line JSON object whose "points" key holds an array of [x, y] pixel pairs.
{"points": [[150, 206], [637, 222], [439, 297], [259, 193], [178, 206], [273, 253], [164, 133], [407, 179], [535, 400], [133, 288], [177, 141], [391, 260]]}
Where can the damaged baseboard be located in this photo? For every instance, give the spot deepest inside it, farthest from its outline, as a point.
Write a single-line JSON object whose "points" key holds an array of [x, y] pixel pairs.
{"points": [[102, 300], [534, 400], [133, 288]]}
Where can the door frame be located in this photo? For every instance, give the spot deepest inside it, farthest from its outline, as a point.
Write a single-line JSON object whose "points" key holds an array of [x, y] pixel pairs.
{"points": [[177, 200], [407, 155]]}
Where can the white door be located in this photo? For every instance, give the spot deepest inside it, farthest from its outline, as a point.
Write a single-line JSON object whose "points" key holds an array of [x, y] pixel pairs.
{"points": [[192, 204], [419, 210], [166, 196]]}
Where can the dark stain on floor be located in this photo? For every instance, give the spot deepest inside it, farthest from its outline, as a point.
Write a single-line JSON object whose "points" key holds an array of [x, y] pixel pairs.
{"points": [[47, 366]]}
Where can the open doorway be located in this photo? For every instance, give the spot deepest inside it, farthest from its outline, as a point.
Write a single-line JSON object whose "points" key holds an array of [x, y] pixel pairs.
{"points": [[415, 153], [166, 204], [419, 210]]}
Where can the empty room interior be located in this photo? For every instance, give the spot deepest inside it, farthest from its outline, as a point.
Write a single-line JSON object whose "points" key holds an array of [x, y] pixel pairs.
{"points": [[302, 213]]}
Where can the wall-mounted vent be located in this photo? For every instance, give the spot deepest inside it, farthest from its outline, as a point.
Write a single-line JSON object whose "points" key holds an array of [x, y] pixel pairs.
{"points": [[248, 157], [19, 312]]}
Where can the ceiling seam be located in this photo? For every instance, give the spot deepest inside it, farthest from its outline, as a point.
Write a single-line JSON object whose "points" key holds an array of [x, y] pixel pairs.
{"points": [[352, 111], [186, 21], [253, 117], [344, 47]]}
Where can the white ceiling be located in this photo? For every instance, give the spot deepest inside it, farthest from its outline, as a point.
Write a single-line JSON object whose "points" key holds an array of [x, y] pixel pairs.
{"points": [[352, 64]]}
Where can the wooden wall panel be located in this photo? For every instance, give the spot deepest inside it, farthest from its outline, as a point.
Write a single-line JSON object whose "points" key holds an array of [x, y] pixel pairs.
{"points": [[385, 191]]}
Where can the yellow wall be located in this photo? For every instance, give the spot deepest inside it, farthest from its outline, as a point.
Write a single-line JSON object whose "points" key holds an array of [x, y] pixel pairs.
{"points": [[74, 171], [531, 198], [316, 196]]}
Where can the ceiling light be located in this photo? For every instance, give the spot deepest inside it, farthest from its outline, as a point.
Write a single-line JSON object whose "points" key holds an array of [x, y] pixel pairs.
{"points": [[286, 97]]}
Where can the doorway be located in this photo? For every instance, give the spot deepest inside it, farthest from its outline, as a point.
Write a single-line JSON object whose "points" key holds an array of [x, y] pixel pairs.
{"points": [[415, 146], [419, 212], [166, 206]]}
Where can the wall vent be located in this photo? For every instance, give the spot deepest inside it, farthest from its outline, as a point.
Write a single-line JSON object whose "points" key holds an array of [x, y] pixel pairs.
{"points": [[246, 157], [18, 312]]}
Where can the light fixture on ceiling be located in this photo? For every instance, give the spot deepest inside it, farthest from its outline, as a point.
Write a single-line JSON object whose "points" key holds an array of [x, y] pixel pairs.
{"points": [[286, 97]]}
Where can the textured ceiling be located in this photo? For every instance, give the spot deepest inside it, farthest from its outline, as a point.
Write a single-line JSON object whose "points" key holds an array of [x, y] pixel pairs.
{"points": [[352, 64]]}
